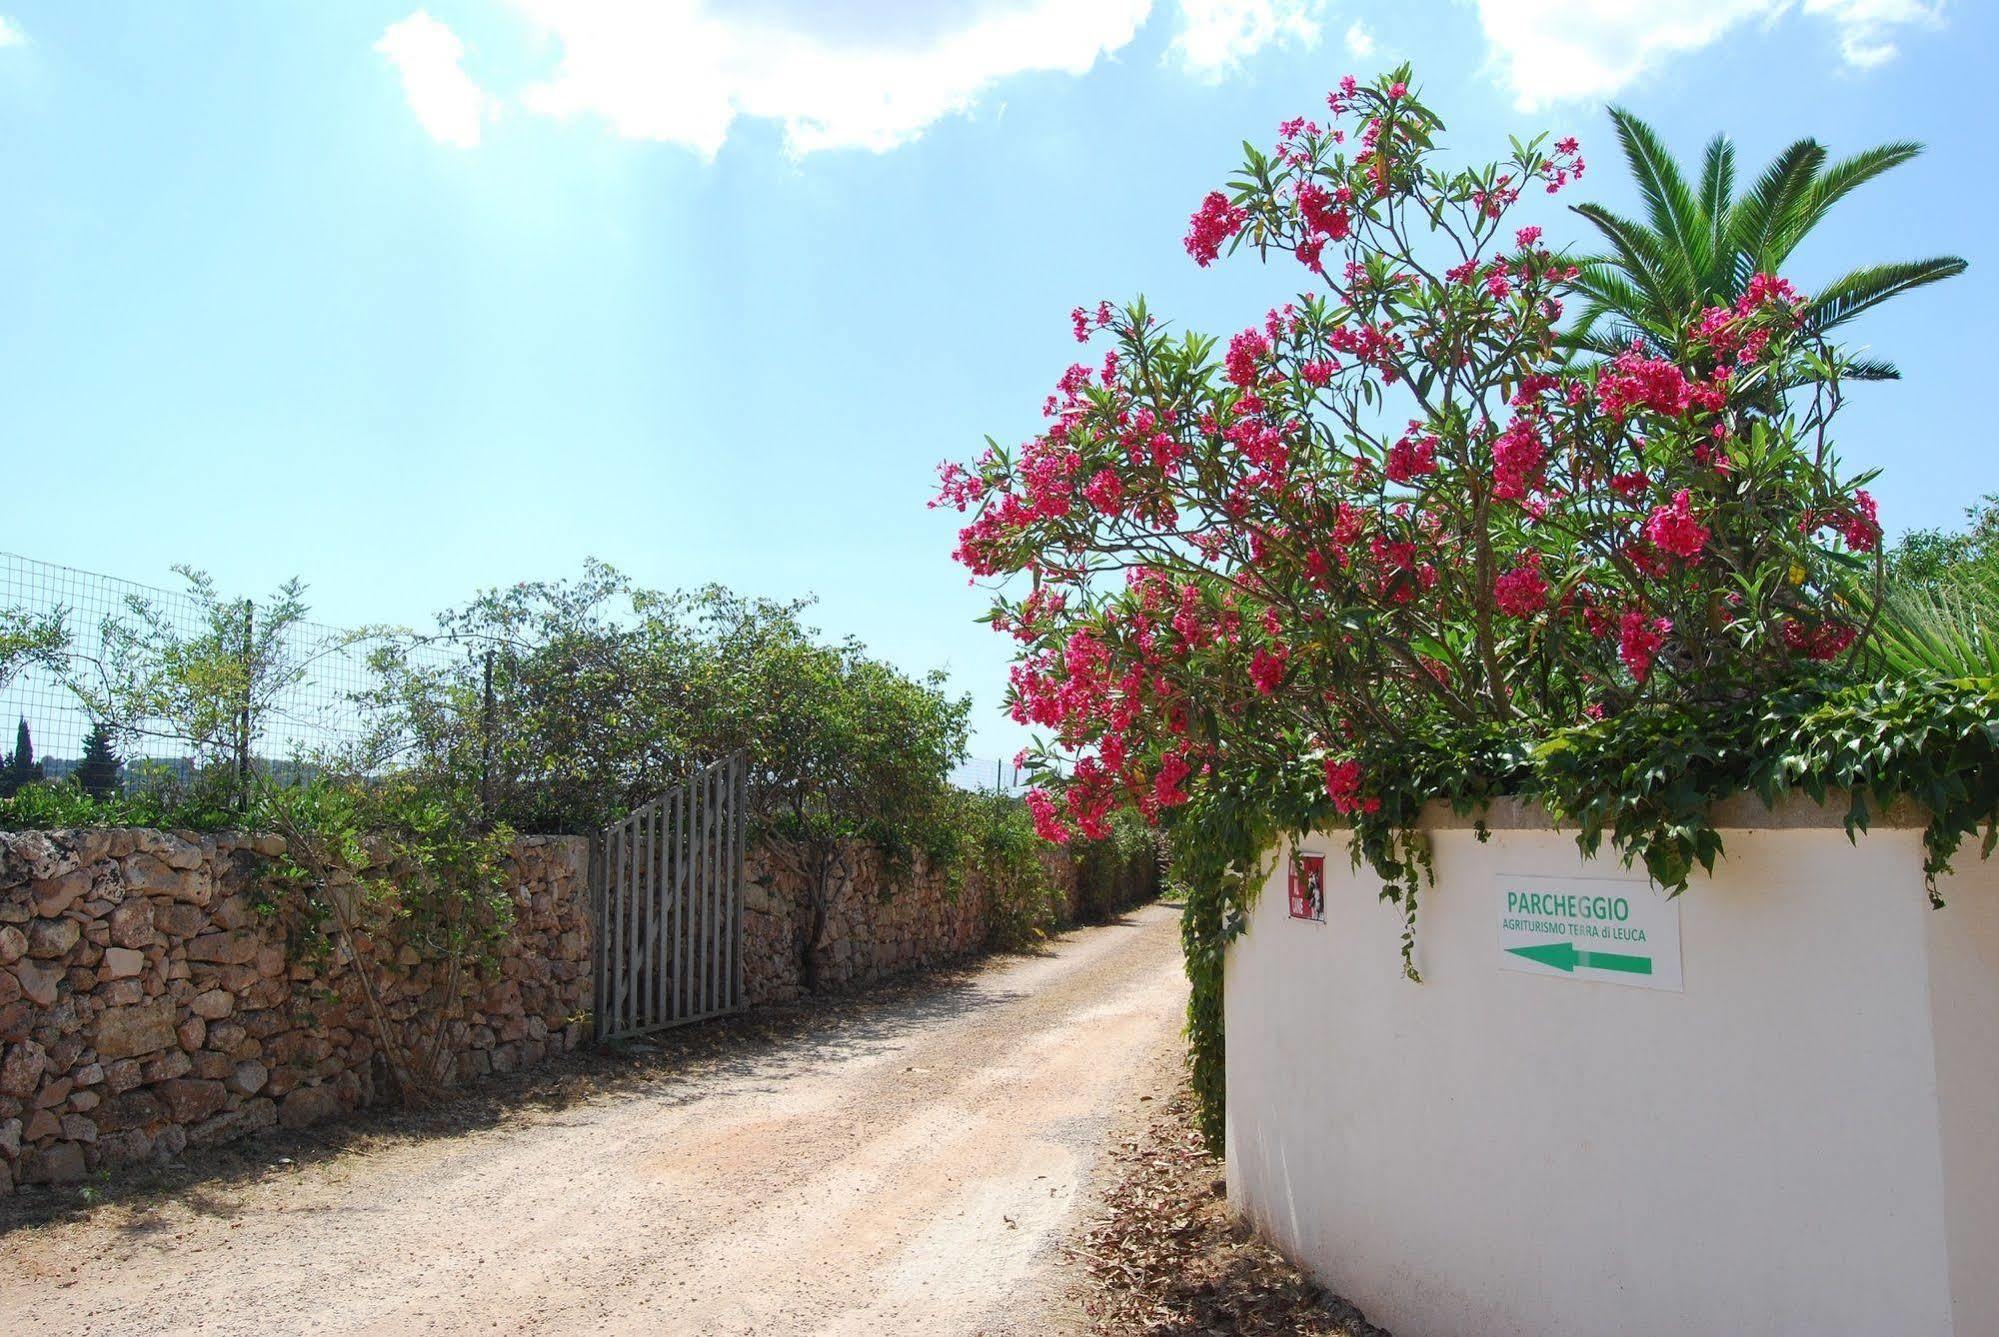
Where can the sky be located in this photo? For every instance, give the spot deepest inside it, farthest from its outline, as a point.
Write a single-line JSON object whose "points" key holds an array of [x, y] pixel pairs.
{"points": [[412, 302]]}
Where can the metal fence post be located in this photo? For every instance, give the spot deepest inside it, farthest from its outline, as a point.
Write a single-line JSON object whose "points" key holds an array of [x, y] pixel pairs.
{"points": [[243, 719]]}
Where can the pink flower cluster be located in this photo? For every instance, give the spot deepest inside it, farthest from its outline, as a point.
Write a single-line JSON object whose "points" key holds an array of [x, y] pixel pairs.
{"points": [[1521, 592], [1673, 529], [1343, 786], [1413, 455], [1639, 639], [1214, 223]]}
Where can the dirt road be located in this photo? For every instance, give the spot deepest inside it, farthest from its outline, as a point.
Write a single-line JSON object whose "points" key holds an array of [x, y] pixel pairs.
{"points": [[906, 1171]]}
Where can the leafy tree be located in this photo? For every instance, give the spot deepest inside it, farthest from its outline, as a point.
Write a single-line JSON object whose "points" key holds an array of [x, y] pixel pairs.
{"points": [[1701, 245], [97, 773], [850, 752], [30, 639], [210, 684], [1928, 556], [22, 769]]}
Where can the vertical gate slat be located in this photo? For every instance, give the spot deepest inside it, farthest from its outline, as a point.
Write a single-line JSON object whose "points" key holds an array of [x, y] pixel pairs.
{"points": [[631, 921], [656, 901], [657, 869], [619, 857], [715, 891], [708, 897], [731, 885], [724, 882], [614, 1006], [680, 840], [634, 1006], [738, 801], [690, 882], [705, 881], [649, 896], [603, 972]]}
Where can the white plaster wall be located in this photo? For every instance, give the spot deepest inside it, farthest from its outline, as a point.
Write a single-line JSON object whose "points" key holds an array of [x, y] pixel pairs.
{"points": [[1964, 999], [1494, 1152]]}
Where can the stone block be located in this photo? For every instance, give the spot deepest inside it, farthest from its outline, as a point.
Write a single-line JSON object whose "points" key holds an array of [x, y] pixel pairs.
{"points": [[38, 981], [127, 1032], [123, 962], [233, 947], [59, 1163], [308, 1105], [190, 1100], [132, 923]]}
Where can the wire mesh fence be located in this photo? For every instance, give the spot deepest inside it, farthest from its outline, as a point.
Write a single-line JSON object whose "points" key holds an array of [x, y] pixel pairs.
{"points": [[315, 704], [991, 775], [318, 703]]}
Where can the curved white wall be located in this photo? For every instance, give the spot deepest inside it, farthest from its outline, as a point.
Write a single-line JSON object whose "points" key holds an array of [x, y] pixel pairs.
{"points": [[1805, 1139]]}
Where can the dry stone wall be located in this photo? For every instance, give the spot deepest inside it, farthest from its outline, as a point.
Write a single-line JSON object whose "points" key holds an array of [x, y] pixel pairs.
{"points": [[884, 920], [147, 1004]]}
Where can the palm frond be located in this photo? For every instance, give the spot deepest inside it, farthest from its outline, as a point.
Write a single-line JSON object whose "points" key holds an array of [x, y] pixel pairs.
{"points": [[1610, 294], [1833, 184], [1935, 631], [1869, 369], [1637, 255], [1758, 217], [1717, 194], [1850, 294], [1675, 214]]}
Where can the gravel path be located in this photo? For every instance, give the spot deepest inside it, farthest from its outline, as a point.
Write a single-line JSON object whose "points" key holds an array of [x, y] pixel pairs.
{"points": [[908, 1169]]}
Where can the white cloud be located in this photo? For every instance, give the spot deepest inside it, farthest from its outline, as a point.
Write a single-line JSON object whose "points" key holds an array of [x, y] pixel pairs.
{"points": [[1216, 35], [446, 100], [1360, 42], [1550, 51], [1865, 25], [10, 32], [683, 71]]}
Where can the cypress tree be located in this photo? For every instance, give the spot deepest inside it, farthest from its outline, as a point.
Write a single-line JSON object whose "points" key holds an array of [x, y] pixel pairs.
{"points": [[22, 769], [98, 771]]}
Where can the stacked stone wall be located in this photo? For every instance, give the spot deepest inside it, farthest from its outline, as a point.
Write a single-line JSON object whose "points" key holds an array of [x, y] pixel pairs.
{"points": [[885, 919], [150, 999]]}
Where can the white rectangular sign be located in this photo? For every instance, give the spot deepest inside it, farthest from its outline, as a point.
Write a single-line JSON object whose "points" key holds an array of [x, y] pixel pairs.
{"points": [[1614, 931]]}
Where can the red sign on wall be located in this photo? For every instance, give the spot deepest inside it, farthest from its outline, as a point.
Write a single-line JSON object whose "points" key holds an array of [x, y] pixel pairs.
{"points": [[1308, 886]]}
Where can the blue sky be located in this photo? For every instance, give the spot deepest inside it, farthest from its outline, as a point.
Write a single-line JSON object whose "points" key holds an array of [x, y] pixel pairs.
{"points": [[411, 302]]}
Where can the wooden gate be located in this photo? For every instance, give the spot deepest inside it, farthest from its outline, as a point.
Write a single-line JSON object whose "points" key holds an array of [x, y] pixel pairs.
{"points": [[667, 892]]}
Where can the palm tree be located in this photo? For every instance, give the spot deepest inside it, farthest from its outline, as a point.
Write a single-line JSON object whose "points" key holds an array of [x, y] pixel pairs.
{"points": [[1700, 247]]}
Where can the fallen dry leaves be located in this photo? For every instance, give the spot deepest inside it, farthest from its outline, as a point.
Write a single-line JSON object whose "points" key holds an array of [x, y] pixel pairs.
{"points": [[1167, 1257]]}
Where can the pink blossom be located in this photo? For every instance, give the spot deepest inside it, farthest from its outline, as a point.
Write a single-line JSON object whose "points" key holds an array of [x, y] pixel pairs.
{"points": [[1104, 492], [1047, 823], [1673, 528], [1828, 640], [1638, 641], [1517, 457], [1266, 670], [1173, 772], [1343, 782], [1212, 224], [1245, 351], [1521, 592], [1411, 457]]}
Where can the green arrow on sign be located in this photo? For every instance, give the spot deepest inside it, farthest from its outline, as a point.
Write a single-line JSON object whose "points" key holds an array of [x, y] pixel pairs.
{"points": [[1563, 956]]}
